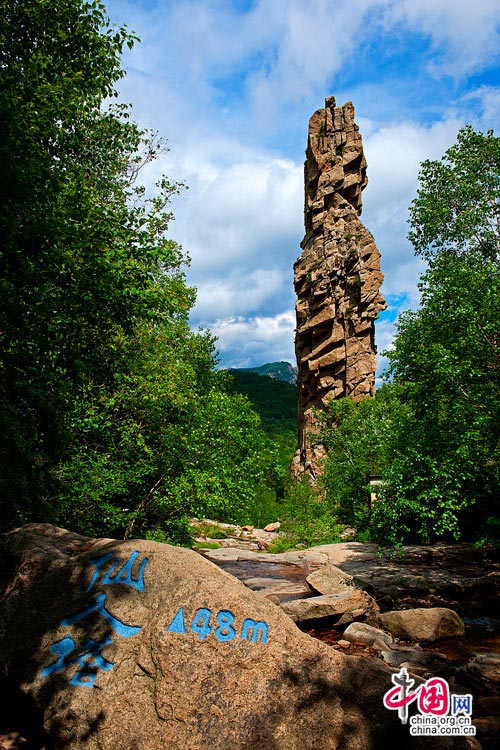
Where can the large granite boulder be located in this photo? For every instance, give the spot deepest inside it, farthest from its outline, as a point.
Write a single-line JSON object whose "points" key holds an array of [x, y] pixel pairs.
{"points": [[423, 624], [136, 645]]}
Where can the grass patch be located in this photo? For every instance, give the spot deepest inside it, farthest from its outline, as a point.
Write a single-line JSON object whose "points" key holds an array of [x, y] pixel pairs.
{"points": [[207, 545], [210, 530]]}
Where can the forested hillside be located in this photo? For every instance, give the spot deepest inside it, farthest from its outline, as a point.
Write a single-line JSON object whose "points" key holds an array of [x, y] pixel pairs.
{"points": [[274, 400]]}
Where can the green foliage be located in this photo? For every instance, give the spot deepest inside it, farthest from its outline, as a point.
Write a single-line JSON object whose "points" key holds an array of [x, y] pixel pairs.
{"points": [[443, 474], [433, 433], [112, 416], [358, 440], [162, 446], [177, 532], [275, 401], [446, 470], [79, 264], [282, 371], [210, 530], [206, 545], [457, 208], [306, 518]]}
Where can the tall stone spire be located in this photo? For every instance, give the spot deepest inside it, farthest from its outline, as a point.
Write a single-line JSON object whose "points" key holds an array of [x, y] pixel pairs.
{"points": [[337, 278]]}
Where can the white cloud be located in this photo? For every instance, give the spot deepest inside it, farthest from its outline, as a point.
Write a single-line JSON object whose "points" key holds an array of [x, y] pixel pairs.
{"points": [[384, 337], [466, 35], [394, 153], [312, 41], [245, 216], [243, 342], [243, 293]]}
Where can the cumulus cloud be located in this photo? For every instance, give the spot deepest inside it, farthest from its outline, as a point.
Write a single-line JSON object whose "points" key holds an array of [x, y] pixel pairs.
{"points": [[231, 85], [466, 35], [243, 293], [394, 153], [246, 216], [244, 342]]}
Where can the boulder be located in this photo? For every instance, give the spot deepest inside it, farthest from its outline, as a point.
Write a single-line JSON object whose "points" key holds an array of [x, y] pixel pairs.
{"points": [[132, 645], [342, 605], [329, 580], [422, 624], [271, 527], [360, 632]]}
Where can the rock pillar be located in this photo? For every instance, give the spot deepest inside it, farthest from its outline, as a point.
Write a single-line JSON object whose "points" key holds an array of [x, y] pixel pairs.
{"points": [[337, 278]]}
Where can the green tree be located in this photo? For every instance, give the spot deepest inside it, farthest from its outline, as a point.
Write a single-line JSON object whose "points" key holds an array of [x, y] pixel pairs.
{"points": [[78, 264], [433, 432], [358, 438], [108, 401], [447, 359], [164, 444], [444, 475], [457, 208]]}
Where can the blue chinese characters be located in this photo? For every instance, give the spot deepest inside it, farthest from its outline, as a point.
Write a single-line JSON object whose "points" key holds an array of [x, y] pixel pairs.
{"points": [[88, 656]]}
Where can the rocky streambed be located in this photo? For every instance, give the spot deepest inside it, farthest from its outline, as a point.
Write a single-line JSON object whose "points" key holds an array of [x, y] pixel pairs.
{"points": [[362, 585]]}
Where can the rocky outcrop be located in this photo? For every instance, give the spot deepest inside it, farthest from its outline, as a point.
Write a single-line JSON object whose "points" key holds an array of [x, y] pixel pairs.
{"points": [[337, 278], [135, 644]]}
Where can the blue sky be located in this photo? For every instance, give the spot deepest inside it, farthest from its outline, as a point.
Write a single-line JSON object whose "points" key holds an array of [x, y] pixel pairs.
{"points": [[231, 85]]}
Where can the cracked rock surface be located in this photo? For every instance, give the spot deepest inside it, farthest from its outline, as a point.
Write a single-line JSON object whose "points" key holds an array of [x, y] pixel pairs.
{"points": [[337, 277]]}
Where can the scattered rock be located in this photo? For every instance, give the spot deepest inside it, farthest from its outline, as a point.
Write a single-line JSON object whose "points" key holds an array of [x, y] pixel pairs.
{"points": [[276, 587], [488, 724], [483, 667], [360, 632], [341, 604], [416, 659], [329, 580], [386, 603], [272, 527], [490, 704], [347, 534], [138, 644], [358, 612], [247, 528], [343, 644], [423, 624]]}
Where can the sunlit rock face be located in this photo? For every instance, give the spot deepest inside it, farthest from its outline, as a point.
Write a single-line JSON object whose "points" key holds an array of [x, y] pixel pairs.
{"points": [[337, 278]]}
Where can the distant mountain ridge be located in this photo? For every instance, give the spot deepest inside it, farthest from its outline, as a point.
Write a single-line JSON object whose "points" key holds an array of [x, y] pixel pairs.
{"points": [[277, 370], [274, 399]]}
